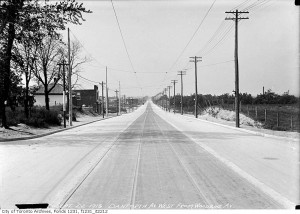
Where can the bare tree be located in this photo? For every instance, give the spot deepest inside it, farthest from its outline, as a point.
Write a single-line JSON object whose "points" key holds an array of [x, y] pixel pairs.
{"points": [[24, 57], [77, 60], [46, 69]]}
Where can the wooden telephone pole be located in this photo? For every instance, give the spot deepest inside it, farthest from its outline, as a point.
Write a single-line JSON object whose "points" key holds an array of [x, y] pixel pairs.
{"points": [[70, 81], [236, 19], [117, 101], [119, 98], [196, 59], [174, 82], [169, 87], [166, 103], [106, 103], [181, 73], [64, 89], [102, 104]]}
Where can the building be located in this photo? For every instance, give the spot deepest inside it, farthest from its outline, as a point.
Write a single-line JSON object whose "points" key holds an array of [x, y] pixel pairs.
{"points": [[87, 98], [55, 96]]}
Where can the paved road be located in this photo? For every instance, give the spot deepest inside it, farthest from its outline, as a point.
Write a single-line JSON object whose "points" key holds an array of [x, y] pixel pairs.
{"points": [[154, 165], [135, 161]]}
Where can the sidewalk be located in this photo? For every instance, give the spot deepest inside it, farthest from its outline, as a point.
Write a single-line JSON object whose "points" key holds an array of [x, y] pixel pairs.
{"points": [[23, 132], [285, 134]]}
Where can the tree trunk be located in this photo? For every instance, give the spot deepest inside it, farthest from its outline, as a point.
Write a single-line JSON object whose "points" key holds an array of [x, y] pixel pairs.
{"points": [[6, 70], [26, 106], [46, 97]]}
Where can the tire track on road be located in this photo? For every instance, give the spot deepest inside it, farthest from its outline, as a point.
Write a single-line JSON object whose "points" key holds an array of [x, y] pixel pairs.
{"points": [[70, 190], [133, 194], [192, 179]]}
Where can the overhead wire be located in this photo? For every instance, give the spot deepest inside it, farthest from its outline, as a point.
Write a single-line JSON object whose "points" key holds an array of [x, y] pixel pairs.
{"points": [[90, 55], [222, 32], [124, 43], [192, 37]]}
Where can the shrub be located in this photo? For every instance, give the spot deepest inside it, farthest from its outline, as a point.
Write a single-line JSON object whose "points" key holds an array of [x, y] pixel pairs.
{"points": [[40, 117], [36, 122]]}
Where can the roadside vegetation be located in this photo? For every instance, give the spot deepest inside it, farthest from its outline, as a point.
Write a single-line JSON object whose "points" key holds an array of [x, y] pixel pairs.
{"points": [[31, 46], [268, 110]]}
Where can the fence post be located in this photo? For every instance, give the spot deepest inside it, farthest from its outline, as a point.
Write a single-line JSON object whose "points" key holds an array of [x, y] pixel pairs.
{"points": [[256, 112], [292, 122], [265, 115], [277, 119], [248, 110]]}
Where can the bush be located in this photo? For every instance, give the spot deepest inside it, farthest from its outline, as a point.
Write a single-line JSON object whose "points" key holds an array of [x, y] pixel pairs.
{"points": [[36, 122], [40, 117]]}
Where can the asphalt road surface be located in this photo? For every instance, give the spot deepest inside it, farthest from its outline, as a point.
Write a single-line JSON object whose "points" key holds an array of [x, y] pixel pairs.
{"points": [[140, 161]]}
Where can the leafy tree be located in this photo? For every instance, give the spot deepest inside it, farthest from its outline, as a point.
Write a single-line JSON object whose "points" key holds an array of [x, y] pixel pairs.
{"points": [[246, 98], [19, 17], [24, 57], [286, 98]]}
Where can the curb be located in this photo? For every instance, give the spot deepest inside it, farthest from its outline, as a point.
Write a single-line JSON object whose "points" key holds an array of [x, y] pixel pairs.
{"points": [[244, 130], [53, 132]]}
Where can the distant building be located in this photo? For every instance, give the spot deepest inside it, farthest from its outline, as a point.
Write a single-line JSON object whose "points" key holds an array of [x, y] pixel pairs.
{"points": [[55, 96], [87, 98]]}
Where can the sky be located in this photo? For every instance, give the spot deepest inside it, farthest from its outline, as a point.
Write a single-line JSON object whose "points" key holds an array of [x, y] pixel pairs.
{"points": [[160, 36]]}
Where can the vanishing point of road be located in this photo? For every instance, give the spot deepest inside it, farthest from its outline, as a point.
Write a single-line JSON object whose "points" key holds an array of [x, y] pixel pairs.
{"points": [[151, 159]]}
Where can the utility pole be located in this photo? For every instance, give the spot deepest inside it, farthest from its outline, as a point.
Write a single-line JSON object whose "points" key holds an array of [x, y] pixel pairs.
{"points": [[181, 73], [169, 87], [119, 98], [166, 103], [174, 82], [106, 103], [102, 104], [196, 59], [70, 81], [124, 102], [64, 89], [117, 101], [236, 19]]}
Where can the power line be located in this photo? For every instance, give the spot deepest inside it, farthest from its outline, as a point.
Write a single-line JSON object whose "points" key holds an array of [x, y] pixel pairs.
{"points": [[122, 35], [240, 5], [216, 63], [193, 35], [224, 36], [87, 79], [221, 33], [125, 44]]}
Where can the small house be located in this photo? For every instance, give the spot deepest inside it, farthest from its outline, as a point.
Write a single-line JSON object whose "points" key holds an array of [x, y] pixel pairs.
{"points": [[55, 96]]}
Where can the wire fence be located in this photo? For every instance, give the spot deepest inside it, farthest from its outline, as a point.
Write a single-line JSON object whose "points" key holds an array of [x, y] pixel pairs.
{"points": [[271, 116], [275, 117]]}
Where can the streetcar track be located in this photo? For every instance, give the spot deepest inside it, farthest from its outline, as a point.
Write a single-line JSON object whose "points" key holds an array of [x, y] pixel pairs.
{"points": [[192, 179], [68, 196], [133, 193]]}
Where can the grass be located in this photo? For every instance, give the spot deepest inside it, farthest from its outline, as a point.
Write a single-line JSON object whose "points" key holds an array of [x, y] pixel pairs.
{"points": [[279, 117]]}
